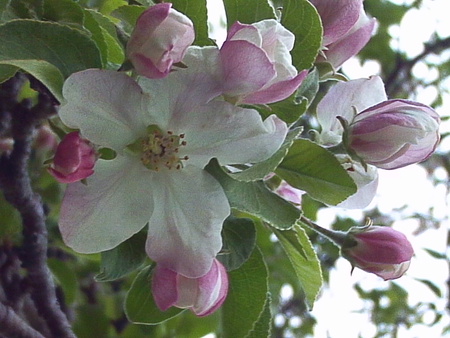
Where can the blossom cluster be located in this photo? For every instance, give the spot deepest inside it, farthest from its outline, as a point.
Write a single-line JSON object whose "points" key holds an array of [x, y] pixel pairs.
{"points": [[184, 106]]}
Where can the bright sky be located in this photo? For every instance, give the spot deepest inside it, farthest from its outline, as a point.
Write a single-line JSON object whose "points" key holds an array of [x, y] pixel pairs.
{"points": [[337, 308]]}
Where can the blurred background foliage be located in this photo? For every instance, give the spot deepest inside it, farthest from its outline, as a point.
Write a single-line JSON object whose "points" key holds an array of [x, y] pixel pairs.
{"points": [[97, 307]]}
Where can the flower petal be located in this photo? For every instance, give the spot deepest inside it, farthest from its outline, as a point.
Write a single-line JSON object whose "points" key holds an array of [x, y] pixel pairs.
{"points": [[229, 133], [107, 106], [184, 229], [164, 287], [115, 204]]}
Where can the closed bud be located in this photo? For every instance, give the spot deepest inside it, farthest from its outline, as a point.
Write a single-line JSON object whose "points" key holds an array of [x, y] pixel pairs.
{"points": [[379, 250], [160, 39], [202, 295], [394, 133], [74, 159]]}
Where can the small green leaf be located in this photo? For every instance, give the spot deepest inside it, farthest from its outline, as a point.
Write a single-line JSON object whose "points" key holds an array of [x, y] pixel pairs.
{"points": [[45, 72], [123, 259], [140, 308], [66, 48], [196, 11], [248, 11], [239, 239], [309, 87], [246, 297], [303, 258], [311, 168], [255, 199], [290, 109], [111, 5], [302, 19], [262, 169]]}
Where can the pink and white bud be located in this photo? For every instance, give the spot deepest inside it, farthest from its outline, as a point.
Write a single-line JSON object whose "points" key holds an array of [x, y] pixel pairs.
{"points": [[379, 250], [346, 29], [74, 159], [202, 295], [256, 64], [160, 39], [394, 133]]}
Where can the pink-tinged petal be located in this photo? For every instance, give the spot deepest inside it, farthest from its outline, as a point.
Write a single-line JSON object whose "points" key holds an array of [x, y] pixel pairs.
{"points": [[338, 18], [185, 226], [160, 39], [342, 100], [115, 204], [106, 106], [213, 290], [342, 50], [164, 287], [276, 92], [273, 35], [289, 193], [245, 68], [239, 31], [218, 129]]}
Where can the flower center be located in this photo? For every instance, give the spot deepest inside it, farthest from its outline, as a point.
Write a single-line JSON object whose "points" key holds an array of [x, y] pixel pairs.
{"points": [[159, 150]]}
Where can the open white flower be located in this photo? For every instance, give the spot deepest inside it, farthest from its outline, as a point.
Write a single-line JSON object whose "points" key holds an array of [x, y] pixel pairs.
{"points": [[163, 139]]}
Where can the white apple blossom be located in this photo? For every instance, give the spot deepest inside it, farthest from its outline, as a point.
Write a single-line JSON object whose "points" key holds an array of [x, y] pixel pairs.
{"points": [[163, 136]]}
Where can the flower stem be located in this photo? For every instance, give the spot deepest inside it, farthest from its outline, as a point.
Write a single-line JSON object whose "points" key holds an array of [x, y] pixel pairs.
{"points": [[337, 237]]}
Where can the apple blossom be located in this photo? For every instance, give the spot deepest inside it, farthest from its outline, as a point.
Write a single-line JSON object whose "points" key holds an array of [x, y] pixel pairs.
{"points": [[202, 295], [74, 159], [253, 65], [379, 250], [164, 133], [160, 39], [346, 29], [388, 134]]}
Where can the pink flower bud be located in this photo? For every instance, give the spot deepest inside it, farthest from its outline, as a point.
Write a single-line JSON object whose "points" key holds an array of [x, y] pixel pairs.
{"points": [[256, 64], [379, 250], [346, 29], [394, 133], [202, 295], [160, 39], [74, 159]]}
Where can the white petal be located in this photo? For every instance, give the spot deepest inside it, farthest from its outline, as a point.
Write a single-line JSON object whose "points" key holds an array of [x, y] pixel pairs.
{"points": [[184, 229], [115, 204], [108, 107], [343, 98], [229, 133]]}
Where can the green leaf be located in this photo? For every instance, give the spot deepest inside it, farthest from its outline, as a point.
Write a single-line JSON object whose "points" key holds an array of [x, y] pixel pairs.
{"points": [[128, 16], [10, 221], [68, 49], [260, 170], [110, 5], [45, 72], [302, 19], [303, 258], [66, 278], [311, 168], [290, 109], [140, 308], [263, 326], [309, 87], [248, 11], [239, 239], [123, 259], [246, 297], [91, 321], [196, 11], [63, 11], [255, 199]]}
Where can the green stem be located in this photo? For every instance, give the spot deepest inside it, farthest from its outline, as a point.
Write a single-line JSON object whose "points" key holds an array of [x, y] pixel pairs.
{"points": [[337, 237]]}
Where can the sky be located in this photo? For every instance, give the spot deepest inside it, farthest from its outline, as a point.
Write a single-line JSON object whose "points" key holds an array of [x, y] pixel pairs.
{"points": [[337, 308]]}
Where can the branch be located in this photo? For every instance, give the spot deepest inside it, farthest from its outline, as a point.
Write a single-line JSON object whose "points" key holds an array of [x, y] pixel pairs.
{"points": [[16, 184], [12, 325], [401, 73]]}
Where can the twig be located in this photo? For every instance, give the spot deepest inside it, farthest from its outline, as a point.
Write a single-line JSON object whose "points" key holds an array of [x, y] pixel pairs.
{"points": [[12, 325], [16, 185]]}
